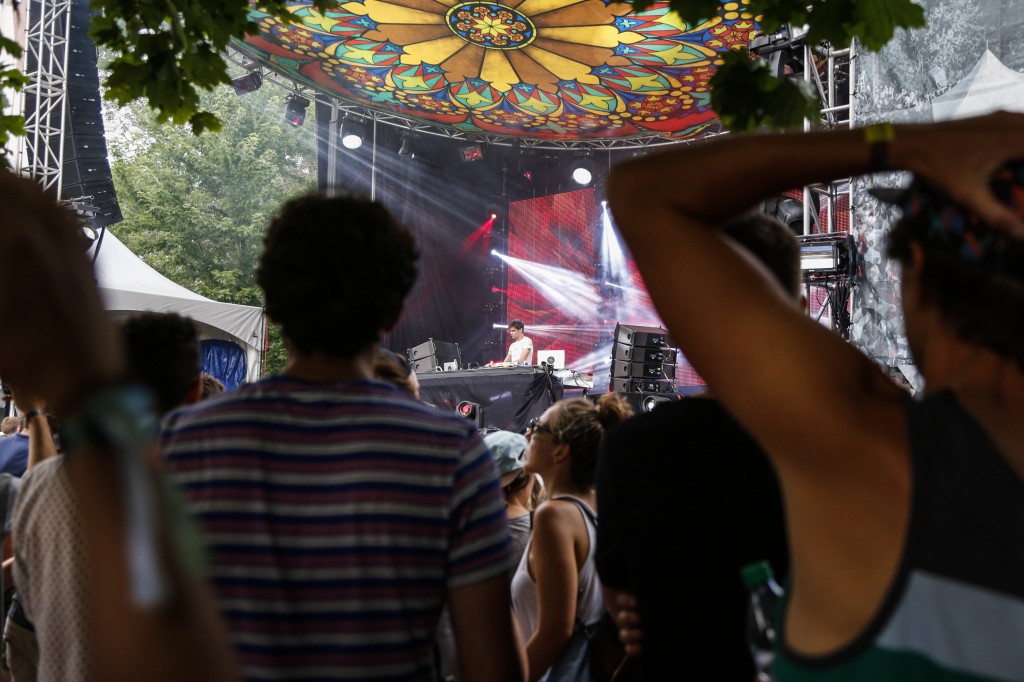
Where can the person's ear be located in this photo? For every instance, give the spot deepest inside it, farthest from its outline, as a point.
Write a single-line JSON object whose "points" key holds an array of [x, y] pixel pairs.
{"points": [[195, 392], [562, 453]]}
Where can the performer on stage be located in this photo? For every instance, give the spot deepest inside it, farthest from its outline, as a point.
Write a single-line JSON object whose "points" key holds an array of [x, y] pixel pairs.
{"points": [[520, 351]]}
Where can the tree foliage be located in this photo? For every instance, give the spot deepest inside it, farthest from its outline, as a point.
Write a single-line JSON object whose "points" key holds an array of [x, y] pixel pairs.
{"points": [[167, 51], [10, 80], [195, 209]]}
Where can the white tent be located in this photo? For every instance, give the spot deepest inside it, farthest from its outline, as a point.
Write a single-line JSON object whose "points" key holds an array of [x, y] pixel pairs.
{"points": [[128, 285], [989, 86]]}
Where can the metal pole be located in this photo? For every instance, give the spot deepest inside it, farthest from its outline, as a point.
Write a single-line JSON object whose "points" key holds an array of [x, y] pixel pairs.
{"points": [[373, 164]]}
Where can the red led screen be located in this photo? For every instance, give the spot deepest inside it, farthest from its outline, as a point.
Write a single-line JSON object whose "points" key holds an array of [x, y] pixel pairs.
{"points": [[570, 283]]}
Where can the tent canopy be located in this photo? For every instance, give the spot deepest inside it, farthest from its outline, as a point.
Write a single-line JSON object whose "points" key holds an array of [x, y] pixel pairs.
{"points": [[128, 285], [990, 86]]}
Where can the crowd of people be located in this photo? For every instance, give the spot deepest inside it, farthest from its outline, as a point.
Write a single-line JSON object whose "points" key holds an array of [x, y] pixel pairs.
{"points": [[324, 524]]}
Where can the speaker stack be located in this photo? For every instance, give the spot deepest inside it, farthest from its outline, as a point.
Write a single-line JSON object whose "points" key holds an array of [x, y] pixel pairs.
{"points": [[643, 361], [86, 170], [432, 356]]}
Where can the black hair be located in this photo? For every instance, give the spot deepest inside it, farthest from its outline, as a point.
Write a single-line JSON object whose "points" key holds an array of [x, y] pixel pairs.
{"points": [[335, 272], [517, 324], [162, 352], [770, 241], [983, 304]]}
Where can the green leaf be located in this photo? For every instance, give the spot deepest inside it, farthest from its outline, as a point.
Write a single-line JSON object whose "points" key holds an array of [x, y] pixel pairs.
{"points": [[746, 96], [871, 22], [202, 121], [775, 13], [10, 47]]}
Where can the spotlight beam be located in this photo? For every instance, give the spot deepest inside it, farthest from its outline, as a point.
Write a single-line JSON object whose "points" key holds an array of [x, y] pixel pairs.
{"points": [[571, 292]]}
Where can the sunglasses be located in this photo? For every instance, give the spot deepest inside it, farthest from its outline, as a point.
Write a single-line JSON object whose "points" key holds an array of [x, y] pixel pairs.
{"points": [[536, 426]]}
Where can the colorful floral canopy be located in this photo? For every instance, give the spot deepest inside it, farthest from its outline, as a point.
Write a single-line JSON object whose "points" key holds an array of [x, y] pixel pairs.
{"points": [[550, 69]]}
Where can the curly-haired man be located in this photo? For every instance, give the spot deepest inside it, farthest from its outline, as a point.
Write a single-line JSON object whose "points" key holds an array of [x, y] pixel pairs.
{"points": [[340, 514]]}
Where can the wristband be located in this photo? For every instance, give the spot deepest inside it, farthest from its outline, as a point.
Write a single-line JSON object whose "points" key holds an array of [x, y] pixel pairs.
{"points": [[32, 414], [878, 136]]}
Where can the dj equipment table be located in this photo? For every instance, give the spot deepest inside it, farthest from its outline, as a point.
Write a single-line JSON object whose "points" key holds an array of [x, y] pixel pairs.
{"points": [[510, 398]]}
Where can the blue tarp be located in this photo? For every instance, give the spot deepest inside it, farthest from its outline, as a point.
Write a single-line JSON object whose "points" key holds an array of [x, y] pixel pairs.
{"points": [[225, 361]]}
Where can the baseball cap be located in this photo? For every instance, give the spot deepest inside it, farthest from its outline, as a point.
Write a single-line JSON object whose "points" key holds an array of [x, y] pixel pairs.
{"points": [[507, 449]]}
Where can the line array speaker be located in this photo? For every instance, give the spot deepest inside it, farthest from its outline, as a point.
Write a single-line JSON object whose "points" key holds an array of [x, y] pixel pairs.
{"points": [[86, 170]]}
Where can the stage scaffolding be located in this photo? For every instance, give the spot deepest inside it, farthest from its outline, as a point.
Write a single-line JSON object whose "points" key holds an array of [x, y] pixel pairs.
{"points": [[40, 153], [830, 72]]}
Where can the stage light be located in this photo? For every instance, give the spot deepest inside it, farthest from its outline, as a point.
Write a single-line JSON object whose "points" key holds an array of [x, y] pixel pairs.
{"points": [[295, 109], [498, 325], [406, 148], [471, 411], [250, 82], [494, 216], [471, 152], [831, 256], [353, 133], [652, 402], [583, 171], [494, 252]]}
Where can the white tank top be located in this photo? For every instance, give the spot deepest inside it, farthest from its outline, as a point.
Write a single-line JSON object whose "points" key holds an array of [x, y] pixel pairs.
{"points": [[589, 602]]}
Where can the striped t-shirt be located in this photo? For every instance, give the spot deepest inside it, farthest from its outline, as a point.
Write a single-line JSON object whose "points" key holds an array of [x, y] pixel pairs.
{"points": [[336, 515]]}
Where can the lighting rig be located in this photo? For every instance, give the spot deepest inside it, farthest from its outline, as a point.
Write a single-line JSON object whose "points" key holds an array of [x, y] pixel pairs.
{"points": [[829, 261]]}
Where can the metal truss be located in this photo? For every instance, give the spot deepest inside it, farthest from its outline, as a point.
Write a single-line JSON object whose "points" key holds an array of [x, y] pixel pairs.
{"points": [[836, 93], [40, 154]]}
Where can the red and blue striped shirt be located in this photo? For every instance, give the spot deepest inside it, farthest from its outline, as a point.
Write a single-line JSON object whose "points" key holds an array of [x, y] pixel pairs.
{"points": [[336, 516]]}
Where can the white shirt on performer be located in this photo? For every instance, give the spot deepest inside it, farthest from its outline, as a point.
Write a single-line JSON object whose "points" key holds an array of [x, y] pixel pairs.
{"points": [[521, 349]]}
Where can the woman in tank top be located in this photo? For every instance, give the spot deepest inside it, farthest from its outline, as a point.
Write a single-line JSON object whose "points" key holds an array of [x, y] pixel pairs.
{"points": [[556, 583]]}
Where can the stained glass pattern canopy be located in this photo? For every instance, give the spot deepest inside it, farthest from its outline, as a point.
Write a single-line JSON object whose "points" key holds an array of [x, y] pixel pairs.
{"points": [[546, 69]]}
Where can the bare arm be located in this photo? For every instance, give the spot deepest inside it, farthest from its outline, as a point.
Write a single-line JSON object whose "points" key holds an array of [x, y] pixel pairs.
{"points": [[485, 634], [40, 438], [698, 280], [40, 441], [553, 564], [845, 472], [62, 348]]}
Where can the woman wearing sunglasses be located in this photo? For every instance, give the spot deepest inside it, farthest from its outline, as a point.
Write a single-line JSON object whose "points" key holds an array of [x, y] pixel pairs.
{"points": [[555, 589]]}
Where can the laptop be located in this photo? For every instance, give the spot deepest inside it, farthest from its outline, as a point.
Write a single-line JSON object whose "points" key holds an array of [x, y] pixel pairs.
{"points": [[555, 358]]}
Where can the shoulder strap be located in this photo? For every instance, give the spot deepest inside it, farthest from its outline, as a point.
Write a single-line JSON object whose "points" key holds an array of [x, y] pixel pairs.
{"points": [[582, 507]]}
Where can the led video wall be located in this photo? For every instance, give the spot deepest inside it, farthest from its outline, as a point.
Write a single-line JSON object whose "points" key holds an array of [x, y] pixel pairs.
{"points": [[570, 280]]}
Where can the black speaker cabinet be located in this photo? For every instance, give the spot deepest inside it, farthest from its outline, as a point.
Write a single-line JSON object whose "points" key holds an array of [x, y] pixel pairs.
{"points": [[442, 350], [648, 337], [622, 369], [639, 385], [624, 352]]}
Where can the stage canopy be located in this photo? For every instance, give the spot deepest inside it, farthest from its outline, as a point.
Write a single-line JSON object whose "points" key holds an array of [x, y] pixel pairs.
{"points": [[128, 285], [548, 69]]}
